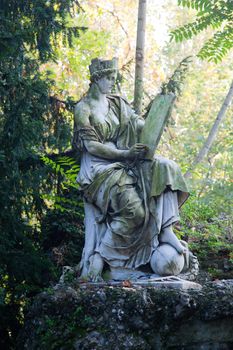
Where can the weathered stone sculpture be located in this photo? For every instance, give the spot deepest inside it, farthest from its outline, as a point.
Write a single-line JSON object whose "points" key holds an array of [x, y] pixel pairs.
{"points": [[131, 199]]}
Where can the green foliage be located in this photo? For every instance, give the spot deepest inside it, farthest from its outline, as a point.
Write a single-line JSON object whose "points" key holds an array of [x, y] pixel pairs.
{"points": [[62, 226], [196, 4], [208, 230], [63, 236], [30, 125], [35, 26], [174, 85], [72, 76], [67, 167], [67, 327], [216, 14]]}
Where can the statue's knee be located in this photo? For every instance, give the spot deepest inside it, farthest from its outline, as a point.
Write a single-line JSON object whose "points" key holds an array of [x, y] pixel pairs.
{"points": [[162, 161], [139, 215]]}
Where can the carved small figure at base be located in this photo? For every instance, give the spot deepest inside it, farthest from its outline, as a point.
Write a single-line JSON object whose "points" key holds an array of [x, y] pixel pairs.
{"points": [[131, 199]]}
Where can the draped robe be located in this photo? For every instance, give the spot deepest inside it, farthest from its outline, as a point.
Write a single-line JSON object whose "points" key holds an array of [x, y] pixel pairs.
{"points": [[127, 203]]}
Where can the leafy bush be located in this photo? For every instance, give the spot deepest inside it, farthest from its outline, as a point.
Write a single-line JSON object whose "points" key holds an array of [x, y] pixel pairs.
{"points": [[208, 230], [63, 237]]}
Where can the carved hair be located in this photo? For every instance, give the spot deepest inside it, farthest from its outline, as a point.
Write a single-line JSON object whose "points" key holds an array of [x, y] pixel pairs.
{"points": [[100, 68]]}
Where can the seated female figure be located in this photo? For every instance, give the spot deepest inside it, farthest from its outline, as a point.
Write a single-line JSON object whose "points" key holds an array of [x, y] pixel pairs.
{"points": [[130, 203]]}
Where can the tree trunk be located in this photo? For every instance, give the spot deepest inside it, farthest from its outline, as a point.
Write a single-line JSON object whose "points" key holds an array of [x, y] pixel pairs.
{"points": [[138, 87], [213, 132]]}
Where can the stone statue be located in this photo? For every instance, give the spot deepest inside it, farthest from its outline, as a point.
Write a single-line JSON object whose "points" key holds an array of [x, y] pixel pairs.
{"points": [[131, 202]]}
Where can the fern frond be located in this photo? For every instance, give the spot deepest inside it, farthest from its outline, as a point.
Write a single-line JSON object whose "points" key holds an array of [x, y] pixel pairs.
{"points": [[65, 166]]}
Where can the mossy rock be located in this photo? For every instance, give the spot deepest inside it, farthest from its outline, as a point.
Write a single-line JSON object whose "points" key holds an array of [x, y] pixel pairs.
{"points": [[86, 317]]}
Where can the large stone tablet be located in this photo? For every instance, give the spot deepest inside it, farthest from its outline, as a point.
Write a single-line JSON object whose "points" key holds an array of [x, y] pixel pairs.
{"points": [[155, 122]]}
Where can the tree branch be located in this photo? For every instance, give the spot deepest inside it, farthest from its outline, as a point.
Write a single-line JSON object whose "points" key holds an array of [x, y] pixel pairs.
{"points": [[213, 132]]}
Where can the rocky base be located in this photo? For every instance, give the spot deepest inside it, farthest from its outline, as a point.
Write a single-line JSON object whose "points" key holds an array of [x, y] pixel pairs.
{"points": [[86, 317]]}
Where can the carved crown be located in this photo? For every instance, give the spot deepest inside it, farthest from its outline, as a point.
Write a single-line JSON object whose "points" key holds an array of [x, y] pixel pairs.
{"points": [[99, 67]]}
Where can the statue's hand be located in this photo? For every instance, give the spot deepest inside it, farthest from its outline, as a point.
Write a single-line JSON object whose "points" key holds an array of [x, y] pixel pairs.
{"points": [[137, 151]]}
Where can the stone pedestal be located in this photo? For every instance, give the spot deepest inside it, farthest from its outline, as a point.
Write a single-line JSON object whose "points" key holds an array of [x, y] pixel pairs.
{"points": [[131, 316]]}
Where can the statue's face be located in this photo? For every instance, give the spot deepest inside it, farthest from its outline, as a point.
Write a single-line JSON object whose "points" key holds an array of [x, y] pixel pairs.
{"points": [[106, 83]]}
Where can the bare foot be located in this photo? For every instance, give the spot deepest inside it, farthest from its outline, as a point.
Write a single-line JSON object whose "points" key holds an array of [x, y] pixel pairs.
{"points": [[96, 268]]}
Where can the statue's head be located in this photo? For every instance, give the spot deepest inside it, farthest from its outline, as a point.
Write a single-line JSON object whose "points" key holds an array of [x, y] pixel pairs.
{"points": [[100, 68], [104, 73]]}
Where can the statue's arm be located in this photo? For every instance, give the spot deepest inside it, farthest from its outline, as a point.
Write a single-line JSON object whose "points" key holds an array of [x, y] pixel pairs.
{"points": [[104, 151], [98, 149]]}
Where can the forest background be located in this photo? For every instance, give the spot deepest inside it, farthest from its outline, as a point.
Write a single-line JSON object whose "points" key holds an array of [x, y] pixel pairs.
{"points": [[46, 47]]}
